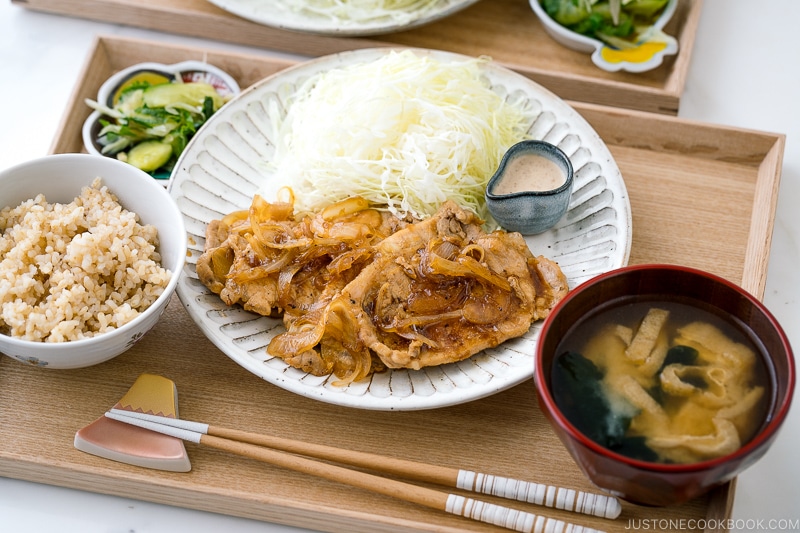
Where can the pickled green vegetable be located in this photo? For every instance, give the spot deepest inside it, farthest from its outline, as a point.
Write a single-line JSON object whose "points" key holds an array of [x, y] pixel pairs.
{"points": [[614, 22], [193, 94], [150, 155], [169, 113]]}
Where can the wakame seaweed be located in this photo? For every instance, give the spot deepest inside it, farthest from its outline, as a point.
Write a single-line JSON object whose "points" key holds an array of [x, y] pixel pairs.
{"points": [[577, 389]]}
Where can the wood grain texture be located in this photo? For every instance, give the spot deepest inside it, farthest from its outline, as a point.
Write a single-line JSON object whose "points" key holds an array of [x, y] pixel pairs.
{"points": [[506, 30], [701, 195], [211, 387]]}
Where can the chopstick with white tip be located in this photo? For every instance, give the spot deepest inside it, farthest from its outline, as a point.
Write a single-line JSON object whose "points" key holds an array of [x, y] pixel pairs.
{"points": [[548, 495], [513, 519]]}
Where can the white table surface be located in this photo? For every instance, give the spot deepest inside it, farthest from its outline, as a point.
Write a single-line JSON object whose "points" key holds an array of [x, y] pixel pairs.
{"points": [[743, 74]]}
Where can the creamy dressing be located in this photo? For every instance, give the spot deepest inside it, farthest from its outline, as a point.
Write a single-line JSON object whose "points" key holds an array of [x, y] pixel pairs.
{"points": [[530, 172]]}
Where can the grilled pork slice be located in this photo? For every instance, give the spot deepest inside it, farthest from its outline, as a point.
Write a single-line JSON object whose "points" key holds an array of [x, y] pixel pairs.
{"points": [[272, 262], [227, 252], [436, 292], [361, 291]]}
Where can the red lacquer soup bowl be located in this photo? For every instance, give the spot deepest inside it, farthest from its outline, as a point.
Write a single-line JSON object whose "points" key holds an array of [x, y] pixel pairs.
{"points": [[619, 455]]}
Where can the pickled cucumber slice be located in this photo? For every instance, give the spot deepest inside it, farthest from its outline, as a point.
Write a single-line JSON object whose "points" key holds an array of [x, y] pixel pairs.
{"points": [[170, 94], [149, 155]]}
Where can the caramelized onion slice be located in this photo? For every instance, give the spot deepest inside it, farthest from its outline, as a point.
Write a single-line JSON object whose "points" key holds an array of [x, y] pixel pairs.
{"points": [[221, 260], [465, 267], [285, 281], [353, 360], [347, 260], [278, 236], [348, 365], [345, 207], [303, 336], [264, 211], [235, 217], [401, 324], [443, 248], [264, 270], [345, 232]]}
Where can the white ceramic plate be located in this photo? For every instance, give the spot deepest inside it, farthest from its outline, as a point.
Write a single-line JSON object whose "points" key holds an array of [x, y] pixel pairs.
{"points": [[276, 14], [223, 167]]}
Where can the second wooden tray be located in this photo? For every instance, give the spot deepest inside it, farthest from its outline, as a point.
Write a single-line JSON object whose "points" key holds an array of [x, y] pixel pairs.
{"points": [[506, 30]]}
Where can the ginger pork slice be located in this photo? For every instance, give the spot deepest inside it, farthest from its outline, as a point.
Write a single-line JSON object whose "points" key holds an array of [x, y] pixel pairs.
{"points": [[442, 290], [274, 262], [225, 251]]}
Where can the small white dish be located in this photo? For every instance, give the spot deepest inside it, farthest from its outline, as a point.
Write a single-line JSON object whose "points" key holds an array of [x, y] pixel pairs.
{"points": [[648, 55], [188, 71]]}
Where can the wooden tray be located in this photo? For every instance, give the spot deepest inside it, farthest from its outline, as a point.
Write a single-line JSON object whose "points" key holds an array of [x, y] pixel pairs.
{"points": [[701, 195], [506, 30]]}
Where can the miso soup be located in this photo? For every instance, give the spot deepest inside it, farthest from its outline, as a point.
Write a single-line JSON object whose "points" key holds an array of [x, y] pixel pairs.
{"points": [[662, 381]]}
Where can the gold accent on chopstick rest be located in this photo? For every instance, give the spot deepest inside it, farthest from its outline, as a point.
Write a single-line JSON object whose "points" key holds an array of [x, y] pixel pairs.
{"points": [[128, 444], [201, 433], [547, 495]]}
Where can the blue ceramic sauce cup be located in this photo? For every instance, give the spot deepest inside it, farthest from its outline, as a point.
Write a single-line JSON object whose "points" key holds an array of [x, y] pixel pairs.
{"points": [[530, 191]]}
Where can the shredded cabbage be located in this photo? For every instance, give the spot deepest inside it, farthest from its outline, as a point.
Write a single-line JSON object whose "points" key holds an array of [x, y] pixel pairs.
{"points": [[408, 131], [361, 11]]}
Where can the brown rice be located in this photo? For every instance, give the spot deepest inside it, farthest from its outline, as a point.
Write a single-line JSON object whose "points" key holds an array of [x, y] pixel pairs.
{"points": [[72, 271]]}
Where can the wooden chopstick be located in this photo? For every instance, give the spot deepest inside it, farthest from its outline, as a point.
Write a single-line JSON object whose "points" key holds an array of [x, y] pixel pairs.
{"points": [[452, 503], [548, 495]]}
